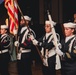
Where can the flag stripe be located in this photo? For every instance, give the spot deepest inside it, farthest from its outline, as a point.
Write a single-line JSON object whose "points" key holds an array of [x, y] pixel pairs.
{"points": [[12, 10]]}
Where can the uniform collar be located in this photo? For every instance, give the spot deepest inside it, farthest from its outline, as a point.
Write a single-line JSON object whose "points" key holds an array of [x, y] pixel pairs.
{"points": [[69, 37], [47, 34], [3, 35], [23, 28]]}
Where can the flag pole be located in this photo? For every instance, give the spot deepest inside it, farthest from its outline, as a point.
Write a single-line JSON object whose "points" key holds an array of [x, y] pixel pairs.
{"points": [[30, 32]]}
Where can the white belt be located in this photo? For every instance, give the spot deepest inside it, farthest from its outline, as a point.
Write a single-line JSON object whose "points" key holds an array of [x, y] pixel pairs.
{"points": [[4, 51], [25, 51], [51, 53]]}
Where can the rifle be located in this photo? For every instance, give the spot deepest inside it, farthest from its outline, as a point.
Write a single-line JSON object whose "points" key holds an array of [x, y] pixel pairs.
{"points": [[56, 41]]}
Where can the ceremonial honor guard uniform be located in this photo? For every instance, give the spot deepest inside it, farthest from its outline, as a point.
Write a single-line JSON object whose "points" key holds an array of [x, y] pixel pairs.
{"points": [[47, 50], [25, 45], [4, 50], [68, 60]]}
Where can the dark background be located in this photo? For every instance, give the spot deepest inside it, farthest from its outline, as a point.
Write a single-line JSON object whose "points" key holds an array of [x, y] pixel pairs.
{"points": [[69, 8], [31, 8]]}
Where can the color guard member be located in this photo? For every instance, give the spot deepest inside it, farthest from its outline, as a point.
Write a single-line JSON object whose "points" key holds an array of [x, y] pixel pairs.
{"points": [[4, 50], [47, 50], [68, 59], [25, 45]]}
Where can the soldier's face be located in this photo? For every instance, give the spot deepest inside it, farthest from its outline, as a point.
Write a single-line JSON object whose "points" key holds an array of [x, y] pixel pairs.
{"points": [[48, 28], [74, 16], [22, 22], [68, 31], [27, 22], [3, 31]]}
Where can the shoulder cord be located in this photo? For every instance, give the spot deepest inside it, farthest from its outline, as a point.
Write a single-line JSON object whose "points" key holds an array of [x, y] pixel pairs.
{"points": [[70, 46]]}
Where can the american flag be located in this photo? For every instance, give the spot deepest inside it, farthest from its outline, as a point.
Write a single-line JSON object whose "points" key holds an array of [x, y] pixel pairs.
{"points": [[12, 10]]}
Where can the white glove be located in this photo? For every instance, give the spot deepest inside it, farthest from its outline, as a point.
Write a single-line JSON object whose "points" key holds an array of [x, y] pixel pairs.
{"points": [[45, 61], [16, 43], [59, 52], [31, 37], [59, 45], [35, 42]]}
